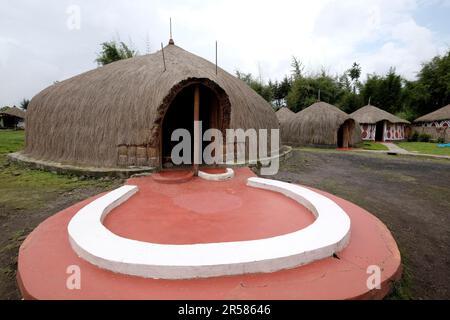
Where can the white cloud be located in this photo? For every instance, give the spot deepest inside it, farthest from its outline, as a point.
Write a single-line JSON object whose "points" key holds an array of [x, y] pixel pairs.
{"points": [[36, 48]]}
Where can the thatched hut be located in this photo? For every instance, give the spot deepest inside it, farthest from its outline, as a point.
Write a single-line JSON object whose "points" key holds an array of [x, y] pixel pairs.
{"points": [[12, 118], [379, 125], [123, 114], [284, 114], [321, 124], [436, 124]]}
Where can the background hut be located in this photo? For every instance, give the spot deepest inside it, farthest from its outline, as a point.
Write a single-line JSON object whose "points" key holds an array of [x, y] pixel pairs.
{"points": [[321, 124], [436, 124], [123, 114], [284, 114], [379, 125], [12, 118]]}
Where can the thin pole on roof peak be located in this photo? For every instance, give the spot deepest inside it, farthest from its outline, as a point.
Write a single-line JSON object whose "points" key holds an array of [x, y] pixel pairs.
{"points": [[171, 38], [216, 57], [164, 57]]}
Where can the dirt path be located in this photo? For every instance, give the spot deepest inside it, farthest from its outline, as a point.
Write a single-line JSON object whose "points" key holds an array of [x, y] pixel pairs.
{"points": [[410, 195], [395, 148]]}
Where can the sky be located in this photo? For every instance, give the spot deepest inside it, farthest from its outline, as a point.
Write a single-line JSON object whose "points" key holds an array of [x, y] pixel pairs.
{"points": [[51, 40]]}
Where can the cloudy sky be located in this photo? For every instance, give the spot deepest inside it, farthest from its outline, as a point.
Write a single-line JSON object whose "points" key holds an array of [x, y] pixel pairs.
{"points": [[44, 41]]}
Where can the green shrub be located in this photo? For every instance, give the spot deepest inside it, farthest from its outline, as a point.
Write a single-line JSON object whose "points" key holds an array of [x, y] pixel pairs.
{"points": [[440, 140], [414, 137], [424, 137]]}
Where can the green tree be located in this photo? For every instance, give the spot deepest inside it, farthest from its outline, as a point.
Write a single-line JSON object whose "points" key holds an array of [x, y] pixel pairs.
{"points": [[280, 91], [114, 51], [385, 92], [354, 73], [305, 91], [263, 90], [24, 104], [431, 91], [297, 68]]}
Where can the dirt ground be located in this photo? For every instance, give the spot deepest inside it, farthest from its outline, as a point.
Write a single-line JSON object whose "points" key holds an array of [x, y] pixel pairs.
{"points": [[15, 225], [410, 195]]}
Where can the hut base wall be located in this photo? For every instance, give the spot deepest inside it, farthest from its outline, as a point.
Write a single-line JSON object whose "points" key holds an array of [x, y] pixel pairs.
{"points": [[435, 132]]}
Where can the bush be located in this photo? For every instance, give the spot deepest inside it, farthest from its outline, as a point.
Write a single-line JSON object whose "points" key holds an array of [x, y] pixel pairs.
{"points": [[423, 137], [440, 140], [414, 137]]}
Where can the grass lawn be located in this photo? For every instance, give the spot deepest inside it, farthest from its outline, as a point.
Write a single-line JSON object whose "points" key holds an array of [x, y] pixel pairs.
{"points": [[425, 148], [374, 146], [27, 197], [23, 188]]}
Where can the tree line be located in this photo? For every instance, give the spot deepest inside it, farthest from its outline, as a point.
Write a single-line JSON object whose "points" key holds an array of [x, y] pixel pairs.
{"points": [[391, 92], [299, 89]]}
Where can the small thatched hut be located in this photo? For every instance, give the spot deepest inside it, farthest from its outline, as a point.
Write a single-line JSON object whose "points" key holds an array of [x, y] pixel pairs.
{"points": [[379, 125], [123, 114], [12, 118], [321, 124], [436, 124], [284, 114]]}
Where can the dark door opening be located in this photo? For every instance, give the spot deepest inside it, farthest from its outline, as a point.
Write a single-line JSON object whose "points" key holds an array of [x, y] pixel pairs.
{"points": [[180, 115], [379, 131]]}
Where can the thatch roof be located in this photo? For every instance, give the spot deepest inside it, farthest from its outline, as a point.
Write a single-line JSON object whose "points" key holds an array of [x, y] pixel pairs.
{"points": [[84, 119], [15, 112], [316, 125], [440, 114], [284, 114], [371, 114]]}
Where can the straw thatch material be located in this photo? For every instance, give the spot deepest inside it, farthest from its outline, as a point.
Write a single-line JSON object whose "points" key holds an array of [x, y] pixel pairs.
{"points": [[96, 117], [14, 112], [284, 114], [371, 115], [438, 115], [318, 125]]}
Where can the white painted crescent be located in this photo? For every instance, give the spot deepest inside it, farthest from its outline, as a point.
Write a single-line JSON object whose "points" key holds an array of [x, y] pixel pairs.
{"points": [[92, 241]]}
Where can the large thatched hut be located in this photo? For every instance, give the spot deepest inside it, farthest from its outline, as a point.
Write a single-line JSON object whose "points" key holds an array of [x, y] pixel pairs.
{"points": [[123, 114], [379, 125], [321, 124], [12, 118], [436, 124]]}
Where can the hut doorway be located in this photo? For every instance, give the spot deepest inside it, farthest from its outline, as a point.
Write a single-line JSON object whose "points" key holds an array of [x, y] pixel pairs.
{"points": [[379, 131], [344, 134], [195, 101]]}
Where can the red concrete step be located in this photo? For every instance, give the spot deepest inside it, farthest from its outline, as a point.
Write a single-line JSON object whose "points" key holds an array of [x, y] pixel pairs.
{"points": [[173, 176]]}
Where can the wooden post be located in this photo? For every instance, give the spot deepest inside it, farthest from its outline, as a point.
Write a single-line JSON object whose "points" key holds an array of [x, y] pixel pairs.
{"points": [[197, 137], [346, 136]]}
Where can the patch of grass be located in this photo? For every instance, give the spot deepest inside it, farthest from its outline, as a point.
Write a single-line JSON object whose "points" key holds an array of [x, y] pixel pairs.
{"points": [[10, 141], [374, 146], [23, 188], [425, 148], [401, 290]]}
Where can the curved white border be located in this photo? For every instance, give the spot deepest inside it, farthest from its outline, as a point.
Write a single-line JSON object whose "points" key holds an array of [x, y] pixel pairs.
{"points": [[93, 242], [217, 177]]}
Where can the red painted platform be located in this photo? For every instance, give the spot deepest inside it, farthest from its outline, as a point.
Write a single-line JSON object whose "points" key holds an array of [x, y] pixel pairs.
{"points": [[205, 211], [229, 211]]}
